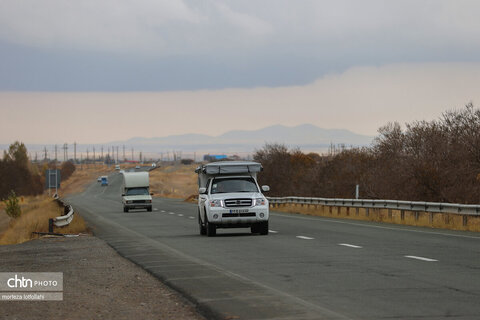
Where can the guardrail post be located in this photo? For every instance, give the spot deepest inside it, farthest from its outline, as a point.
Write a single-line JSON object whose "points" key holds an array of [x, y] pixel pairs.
{"points": [[402, 215], [348, 211], [357, 210], [367, 212], [416, 215], [465, 220], [50, 225], [431, 217], [390, 215]]}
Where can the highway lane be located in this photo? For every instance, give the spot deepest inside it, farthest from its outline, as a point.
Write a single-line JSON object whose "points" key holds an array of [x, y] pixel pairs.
{"points": [[310, 268]]}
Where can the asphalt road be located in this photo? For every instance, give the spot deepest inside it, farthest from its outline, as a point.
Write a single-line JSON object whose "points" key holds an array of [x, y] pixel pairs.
{"points": [[306, 268]]}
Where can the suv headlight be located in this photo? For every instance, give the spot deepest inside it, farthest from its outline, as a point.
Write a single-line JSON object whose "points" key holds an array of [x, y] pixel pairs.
{"points": [[260, 201], [216, 203]]}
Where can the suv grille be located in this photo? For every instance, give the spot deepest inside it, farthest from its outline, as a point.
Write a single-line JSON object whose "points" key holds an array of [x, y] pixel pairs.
{"points": [[231, 203]]}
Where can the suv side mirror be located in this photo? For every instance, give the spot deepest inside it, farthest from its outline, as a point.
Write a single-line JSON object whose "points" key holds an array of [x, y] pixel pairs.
{"points": [[151, 193], [123, 194], [265, 188], [202, 190]]}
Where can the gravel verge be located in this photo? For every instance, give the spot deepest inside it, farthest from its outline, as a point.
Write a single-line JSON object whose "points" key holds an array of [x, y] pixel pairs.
{"points": [[98, 283]]}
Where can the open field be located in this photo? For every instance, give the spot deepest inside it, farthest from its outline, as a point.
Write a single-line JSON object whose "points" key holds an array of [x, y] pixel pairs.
{"points": [[175, 181]]}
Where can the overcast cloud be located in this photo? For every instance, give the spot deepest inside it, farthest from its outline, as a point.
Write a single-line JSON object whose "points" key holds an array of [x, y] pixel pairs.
{"points": [[136, 45]]}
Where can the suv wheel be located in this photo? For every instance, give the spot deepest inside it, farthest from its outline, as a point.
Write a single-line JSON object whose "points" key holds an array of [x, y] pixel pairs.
{"points": [[263, 228], [211, 228], [203, 230]]}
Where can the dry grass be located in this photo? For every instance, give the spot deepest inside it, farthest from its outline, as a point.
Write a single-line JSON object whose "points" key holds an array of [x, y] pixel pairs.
{"points": [[34, 218], [411, 218], [179, 181]]}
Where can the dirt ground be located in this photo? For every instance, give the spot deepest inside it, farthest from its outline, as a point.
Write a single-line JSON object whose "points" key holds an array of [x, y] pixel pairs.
{"points": [[98, 283]]}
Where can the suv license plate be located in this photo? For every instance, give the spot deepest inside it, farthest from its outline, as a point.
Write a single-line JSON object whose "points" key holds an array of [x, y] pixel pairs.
{"points": [[239, 211]]}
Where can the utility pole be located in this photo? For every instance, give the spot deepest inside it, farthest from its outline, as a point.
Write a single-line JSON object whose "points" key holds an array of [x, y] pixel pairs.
{"points": [[46, 152], [132, 154], [117, 155], [103, 160], [65, 152], [75, 152], [94, 160], [87, 157], [55, 155], [124, 153]]}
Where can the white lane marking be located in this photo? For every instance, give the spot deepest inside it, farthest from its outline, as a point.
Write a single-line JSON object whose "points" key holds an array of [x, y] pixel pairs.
{"points": [[171, 213], [155, 209], [272, 231], [191, 217], [350, 245], [421, 258], [305, 238], [329, 220], [180, 215], [162, 211]]}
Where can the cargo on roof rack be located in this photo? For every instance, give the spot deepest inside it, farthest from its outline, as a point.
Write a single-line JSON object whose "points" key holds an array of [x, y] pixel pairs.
{"points": [[230, 167]]}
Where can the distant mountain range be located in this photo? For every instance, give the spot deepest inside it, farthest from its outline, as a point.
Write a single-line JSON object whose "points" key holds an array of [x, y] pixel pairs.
{"points": [[305, 135]]}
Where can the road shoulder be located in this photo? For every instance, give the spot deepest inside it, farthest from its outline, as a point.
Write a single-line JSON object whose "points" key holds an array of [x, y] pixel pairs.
{"points": [[98, 283]]}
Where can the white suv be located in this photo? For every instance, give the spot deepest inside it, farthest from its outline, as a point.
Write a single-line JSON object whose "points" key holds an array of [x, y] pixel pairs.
{"points": [[229, 197]]}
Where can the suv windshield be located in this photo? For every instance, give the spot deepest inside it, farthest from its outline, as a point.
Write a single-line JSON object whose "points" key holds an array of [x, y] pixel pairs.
{"points": [[137, 192], [227, 185]]}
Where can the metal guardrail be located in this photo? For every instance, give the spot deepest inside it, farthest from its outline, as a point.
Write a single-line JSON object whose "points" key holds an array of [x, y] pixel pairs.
{"points": [[436, 207], [64, 220]]}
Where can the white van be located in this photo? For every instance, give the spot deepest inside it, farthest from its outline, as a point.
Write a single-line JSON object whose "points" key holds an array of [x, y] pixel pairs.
{"points": [[136, 191], [229, 197]]}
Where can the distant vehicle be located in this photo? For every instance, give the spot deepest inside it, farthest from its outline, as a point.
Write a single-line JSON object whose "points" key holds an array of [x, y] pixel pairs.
{"points": [[154, 165], [104, 181], [137, 167], [122, 171], [99, 179], [117, 167], [229, 197], [136, 191]]}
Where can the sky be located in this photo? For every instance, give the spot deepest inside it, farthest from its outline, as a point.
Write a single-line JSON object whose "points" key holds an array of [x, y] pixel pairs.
{"points": [[113, 70]]}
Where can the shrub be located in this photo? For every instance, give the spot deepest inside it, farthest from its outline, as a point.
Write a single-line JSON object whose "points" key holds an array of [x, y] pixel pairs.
{"points": [[12, 207]]}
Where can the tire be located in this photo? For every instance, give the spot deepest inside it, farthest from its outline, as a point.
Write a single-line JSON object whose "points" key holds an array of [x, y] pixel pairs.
{"points": [[125, 209], [211, 228], [254, 228], [263, 228], [149, 209], [203, 230]]}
